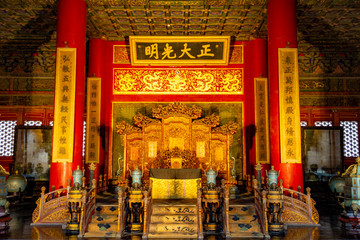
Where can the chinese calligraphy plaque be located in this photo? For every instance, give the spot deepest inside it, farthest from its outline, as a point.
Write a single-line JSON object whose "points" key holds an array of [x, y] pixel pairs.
{"points": [[289, 106], [262, 121], [93, 120], [207, 50], [64, 107]]}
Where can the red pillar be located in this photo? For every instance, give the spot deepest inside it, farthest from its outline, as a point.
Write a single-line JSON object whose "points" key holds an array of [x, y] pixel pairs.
{"points": [[71, 28], [281, 30], [256, 66], [260, 69], [97, 59]]}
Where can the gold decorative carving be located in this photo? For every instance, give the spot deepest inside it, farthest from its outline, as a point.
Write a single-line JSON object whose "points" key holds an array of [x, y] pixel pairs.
{"points": [[314, 212], [229, 128], [163, 159], [180, 81], [142, 121], [181, 133], [121, 54], [293, 217], [237, 54], [176, 108], [3, 172], [58, 216], [212, 121], [125, 128], [36, 213]]}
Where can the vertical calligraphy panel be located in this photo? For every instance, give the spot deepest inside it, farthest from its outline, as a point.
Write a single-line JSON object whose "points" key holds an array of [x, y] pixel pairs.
{"points": [[63, 134], [289, 106], [93, 120], [262, 121]]}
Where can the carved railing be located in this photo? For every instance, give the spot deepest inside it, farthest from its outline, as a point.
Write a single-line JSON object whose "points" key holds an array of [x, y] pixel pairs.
{"points": [[121, 221], [103, 183], [260, 207], [88, 207], [147, 211], [51, 208], [199, 211], [226, 213], [299, 208], [224, 198]]}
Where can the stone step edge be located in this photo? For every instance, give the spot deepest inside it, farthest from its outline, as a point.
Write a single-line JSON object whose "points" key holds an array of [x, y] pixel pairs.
{"points": [[247, 235], [99, 235], [176, 214], [171, 235]]}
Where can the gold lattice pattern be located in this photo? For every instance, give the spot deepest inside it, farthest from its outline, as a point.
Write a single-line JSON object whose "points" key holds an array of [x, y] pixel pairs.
{"points": [[314, 212]]}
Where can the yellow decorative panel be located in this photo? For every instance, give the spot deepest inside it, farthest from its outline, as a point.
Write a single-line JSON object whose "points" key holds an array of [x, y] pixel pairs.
{"points": [[134, 153], [262, 121], [93, 120], [161, 188], [219, 154], [152, 149], [64, 106], [176, 119], [176, 142], [176, 135], [174, 188], [178, 81], [289, 106], [200, 149]]}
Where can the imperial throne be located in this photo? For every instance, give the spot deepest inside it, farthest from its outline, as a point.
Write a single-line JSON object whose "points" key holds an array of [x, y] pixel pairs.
{"points": [[176, 137], [173, 148]]}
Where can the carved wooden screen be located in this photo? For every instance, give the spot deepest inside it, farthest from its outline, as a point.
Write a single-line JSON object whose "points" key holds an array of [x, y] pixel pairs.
{"points": [[176, 135]]}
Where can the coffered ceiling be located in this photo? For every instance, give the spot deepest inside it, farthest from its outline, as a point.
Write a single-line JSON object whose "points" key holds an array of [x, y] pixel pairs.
{"points": [[325, 24]]}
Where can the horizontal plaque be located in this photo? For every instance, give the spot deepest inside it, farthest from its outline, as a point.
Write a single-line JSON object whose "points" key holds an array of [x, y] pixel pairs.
{"points": [[204, 50]]}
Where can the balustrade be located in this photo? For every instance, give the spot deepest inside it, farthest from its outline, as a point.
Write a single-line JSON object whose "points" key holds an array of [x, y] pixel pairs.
{"points": [[147, 211], [51, 207], [298, 208]]}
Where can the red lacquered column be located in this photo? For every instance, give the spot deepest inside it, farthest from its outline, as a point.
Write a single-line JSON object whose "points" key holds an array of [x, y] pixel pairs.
{"points": [[96, 69], [259, 53], [281, 30], [256, 66], [71, 28]]}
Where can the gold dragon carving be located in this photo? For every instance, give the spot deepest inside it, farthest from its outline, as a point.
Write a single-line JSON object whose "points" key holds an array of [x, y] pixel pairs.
{"points": [[212, 121], [229, 128], [176, 109], [125, 128]]}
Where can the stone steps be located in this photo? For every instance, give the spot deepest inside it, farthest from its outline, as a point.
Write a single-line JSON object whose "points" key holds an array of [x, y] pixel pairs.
{"points": [[173, 219], [103, 222], [243, 221]]}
